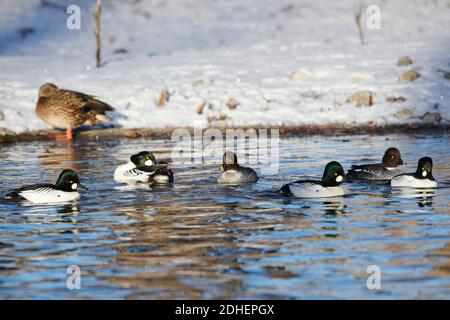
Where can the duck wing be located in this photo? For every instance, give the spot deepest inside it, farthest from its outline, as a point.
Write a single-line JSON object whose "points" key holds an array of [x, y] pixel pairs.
{"points": [[15, 194], [85, 102], [367, 172], [303, 184]]}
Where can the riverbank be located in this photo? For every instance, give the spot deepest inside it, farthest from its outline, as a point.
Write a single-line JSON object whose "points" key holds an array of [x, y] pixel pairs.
{"points": [[281, 65], [284, 131]]}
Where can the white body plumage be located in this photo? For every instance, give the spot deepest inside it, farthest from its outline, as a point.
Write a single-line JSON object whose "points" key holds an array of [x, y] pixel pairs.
{"points": [[314, 190], [409, 181], [243, 175], [129, 173], [49, 195]]}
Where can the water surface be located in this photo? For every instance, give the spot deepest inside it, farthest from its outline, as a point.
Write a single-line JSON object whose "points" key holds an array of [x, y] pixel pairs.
{"points": [[199, 240]]}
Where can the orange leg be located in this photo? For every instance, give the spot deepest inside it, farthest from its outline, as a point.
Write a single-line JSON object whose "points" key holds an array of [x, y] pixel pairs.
{"points": [[69, 134], [58, 136]]}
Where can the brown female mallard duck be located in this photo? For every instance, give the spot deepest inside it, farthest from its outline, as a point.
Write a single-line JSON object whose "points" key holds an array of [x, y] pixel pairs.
{"points": [[67, 109]]}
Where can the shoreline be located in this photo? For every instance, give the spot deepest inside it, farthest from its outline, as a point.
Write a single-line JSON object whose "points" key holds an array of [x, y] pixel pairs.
{"points": [[284, 131]]}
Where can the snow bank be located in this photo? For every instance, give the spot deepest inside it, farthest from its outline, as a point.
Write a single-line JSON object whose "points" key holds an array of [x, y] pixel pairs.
{"points": [[283, 62]]}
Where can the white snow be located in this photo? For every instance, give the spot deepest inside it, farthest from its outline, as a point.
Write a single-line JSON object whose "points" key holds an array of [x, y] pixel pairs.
{"points": [[214, 50]]}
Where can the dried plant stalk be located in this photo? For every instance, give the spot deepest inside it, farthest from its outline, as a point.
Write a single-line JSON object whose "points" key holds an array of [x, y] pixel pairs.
{"points": [[162, 98], [357, 13], [97, 14]]}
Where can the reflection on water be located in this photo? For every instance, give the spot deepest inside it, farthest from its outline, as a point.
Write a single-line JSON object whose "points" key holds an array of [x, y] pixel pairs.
{"points": [[197, 239]]}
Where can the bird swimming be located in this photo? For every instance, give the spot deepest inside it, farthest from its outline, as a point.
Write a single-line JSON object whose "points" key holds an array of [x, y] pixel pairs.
{"points": [[422, 178], [65, 189], [328, 186], [386, 170], [143, 167], [233, 173]]}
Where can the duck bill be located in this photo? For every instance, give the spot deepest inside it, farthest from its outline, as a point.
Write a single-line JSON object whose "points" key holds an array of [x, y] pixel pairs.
{"points": [[401, 162], [83, 187]]}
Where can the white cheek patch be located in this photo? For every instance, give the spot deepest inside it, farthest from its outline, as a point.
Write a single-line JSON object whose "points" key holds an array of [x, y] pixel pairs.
{"points": [[424, 173], [148, 163], [74, 186], [339, 178]]}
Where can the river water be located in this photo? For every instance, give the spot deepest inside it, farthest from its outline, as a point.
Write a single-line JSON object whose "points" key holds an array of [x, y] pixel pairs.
{"points": [[199, 240]]}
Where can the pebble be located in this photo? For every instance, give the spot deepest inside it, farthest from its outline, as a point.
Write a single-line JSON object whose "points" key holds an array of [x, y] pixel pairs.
{"points": [[404, 61], [232, 103], [409, 75], [432, 117], [362, 98], [301, 74], [404, 114]]}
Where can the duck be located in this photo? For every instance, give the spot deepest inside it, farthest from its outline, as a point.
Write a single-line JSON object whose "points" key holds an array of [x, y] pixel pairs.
{"points": [[422, 178], [329, 186], [233, 173], [65, 189], [143, 167], [383, 171], [66, 109]]}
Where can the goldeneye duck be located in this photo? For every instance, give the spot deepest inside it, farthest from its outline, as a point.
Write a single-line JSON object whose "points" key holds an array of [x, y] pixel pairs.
{"points": [[233, 173], [385, 170], [143, 167], [422, 178], [333, 176], [64, 190]]}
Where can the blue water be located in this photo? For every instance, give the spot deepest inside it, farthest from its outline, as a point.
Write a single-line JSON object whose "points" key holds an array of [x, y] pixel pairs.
{"points": [[199, 240]]}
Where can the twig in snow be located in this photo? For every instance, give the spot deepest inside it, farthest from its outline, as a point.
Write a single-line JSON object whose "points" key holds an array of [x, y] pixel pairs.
{"points": [[97, 15], [162, 98], [357, 13]]}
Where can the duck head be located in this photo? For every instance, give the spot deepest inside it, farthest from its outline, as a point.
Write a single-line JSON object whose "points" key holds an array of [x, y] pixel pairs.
{"points": [[47, 90], [424, 169], [229, 162], [392, 158], [333, 175], [68, 181], [143, 159]]}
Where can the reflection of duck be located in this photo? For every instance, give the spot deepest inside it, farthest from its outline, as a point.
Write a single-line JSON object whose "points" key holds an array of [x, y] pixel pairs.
{"points": [[68, 210], [334, 206], [422, 178], [133, 186], [424, 196], [385, 170], [333, 176]]}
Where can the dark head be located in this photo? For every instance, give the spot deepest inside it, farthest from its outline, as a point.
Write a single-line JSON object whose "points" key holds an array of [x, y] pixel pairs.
{"points": [[333, 175], [68, 181], [230, 161], [47, 90], [424, 169], [392, 158], [143, 159]]}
